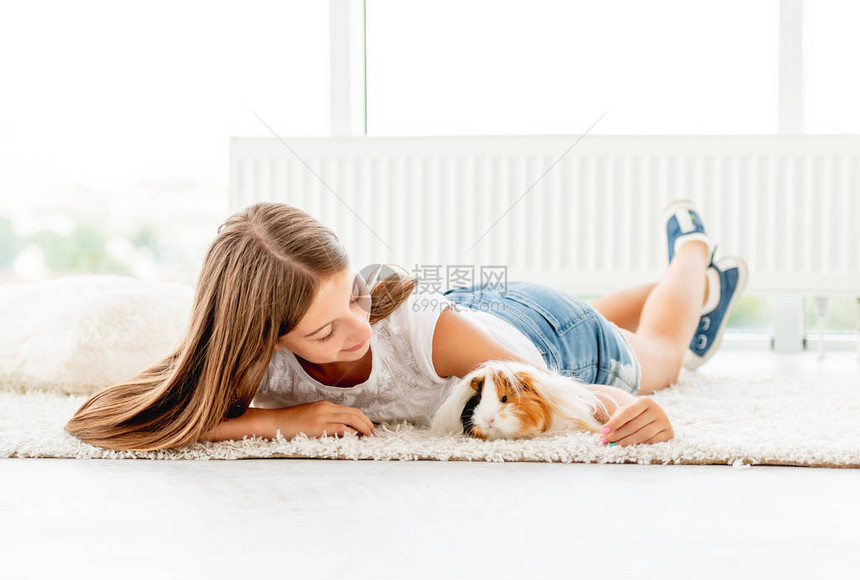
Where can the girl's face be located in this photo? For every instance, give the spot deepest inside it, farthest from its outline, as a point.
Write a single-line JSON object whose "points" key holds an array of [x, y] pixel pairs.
{"points": [[337, 320]]}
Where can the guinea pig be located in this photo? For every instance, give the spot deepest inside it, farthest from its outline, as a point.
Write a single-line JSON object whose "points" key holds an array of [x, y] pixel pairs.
{"points": [[504, 399]]}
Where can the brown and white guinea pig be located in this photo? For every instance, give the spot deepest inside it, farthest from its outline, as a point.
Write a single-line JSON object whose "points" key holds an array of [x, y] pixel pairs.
{"points": [[504, 399]]}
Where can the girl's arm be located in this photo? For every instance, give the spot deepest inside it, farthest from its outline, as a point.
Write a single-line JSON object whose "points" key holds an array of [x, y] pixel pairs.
{"points": [[313, 419], [631, 419], [253, 422], [612, 397], [459, 346]]}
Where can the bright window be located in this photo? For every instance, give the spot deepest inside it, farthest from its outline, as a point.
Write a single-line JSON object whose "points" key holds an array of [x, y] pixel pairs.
{"points": [[540, 67], [115, 120], [831, 47]]}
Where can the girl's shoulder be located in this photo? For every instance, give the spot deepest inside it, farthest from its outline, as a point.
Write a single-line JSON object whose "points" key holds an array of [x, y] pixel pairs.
{"points": [[412, 327], [419, 313]]}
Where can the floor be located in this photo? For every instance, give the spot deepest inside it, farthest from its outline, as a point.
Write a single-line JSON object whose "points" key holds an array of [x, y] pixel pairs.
{"points": [[328, 519]]}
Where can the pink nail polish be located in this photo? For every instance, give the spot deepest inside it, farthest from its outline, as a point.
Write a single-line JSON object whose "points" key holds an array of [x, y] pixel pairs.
{"points": [[603, 440], [605, 430]]}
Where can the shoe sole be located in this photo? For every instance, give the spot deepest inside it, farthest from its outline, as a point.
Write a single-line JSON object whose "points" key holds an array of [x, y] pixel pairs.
{"points": [[694, 361], [676, 206]]}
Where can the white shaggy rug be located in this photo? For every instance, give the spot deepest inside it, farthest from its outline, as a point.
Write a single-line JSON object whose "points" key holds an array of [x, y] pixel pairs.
{"points": [[717, 420]]}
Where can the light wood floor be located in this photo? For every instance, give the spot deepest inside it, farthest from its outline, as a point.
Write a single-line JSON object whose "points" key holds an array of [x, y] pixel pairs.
{"points": [[365, 519]]}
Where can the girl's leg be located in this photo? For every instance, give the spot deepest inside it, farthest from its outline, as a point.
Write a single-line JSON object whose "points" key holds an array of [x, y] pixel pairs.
{"points": [[670, 317], [625, 306]]}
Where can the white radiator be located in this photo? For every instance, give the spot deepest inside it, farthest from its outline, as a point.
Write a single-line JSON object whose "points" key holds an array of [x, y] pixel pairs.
{"points": [[790, 205]]}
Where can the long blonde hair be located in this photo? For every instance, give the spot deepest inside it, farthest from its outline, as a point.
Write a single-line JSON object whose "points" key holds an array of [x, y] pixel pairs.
{"points": [[258, 279]]}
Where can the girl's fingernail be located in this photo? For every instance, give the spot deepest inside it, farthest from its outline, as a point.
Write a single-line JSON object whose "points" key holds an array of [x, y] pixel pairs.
{"points": [[605, 430], [603, 440], [613, 443]]}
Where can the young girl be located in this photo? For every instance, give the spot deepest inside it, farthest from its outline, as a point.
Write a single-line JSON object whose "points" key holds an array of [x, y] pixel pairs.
{"points": [[285, 336]]}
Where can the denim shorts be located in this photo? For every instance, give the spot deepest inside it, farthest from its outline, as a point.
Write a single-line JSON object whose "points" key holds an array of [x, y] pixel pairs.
{"points": [[573, 338]]}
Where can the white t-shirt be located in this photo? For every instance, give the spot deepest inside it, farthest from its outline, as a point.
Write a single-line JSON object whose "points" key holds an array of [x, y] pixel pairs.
{"points": [[403, 384]]}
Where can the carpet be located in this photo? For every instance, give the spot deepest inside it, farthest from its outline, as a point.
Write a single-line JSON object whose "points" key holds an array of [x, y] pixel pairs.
{"points": [[801, 421]]}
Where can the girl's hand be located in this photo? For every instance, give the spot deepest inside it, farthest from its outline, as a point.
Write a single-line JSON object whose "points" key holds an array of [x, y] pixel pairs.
{"points": [[642, 421], [314, 418]]}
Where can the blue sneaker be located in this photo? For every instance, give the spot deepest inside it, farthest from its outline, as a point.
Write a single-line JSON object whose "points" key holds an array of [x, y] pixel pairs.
{"points": [[727, 279], [683, 224]]}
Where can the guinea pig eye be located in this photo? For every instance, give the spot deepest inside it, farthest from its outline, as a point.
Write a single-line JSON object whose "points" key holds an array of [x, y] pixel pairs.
{"points": [[505, 399]]}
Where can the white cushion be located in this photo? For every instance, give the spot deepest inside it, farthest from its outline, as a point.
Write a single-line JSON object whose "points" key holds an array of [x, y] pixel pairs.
{"points": [[80, 334]]}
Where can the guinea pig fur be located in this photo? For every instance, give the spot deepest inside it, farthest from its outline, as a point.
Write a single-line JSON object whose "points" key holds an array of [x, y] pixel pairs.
{"points": [[504, 399]]}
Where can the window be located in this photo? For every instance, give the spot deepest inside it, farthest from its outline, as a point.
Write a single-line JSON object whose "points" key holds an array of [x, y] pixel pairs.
{"points": [[116, 121], [116, 118], [841, 315], [480, 67], [831, 46]]}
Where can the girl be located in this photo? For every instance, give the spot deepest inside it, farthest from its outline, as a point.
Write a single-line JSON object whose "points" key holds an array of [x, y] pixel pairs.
{"points": [[286, 337]]}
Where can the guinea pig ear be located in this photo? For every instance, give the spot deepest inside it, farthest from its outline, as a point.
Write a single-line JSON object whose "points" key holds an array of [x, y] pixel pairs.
{"points": [[477, 383]]}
